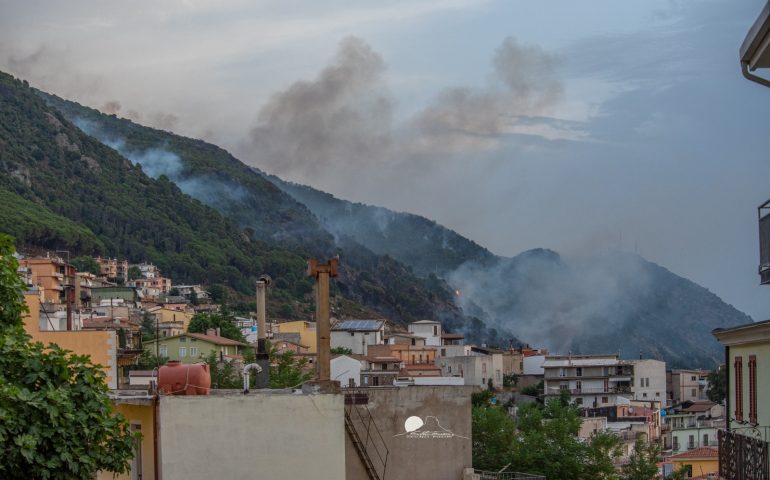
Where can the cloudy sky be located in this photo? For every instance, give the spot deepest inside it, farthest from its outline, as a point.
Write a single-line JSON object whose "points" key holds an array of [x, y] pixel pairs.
{"points": [[576, 126]]}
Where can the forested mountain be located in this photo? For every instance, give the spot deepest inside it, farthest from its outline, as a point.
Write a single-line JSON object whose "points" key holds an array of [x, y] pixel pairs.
{"points": [[399, 265], [603, 303], [126, 190]]}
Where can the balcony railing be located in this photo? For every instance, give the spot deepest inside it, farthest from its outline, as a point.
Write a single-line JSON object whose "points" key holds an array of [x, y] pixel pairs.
{"points": [[742, 457]]}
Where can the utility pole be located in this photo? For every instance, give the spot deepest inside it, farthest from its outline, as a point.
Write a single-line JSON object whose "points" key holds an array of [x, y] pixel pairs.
{"points": [[322, 273]]}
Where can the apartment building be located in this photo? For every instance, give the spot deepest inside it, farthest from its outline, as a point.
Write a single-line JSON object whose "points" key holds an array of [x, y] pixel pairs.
{"points": [[53, 276], [600, 380], [477, 368], [357, 335], [688, 385]]}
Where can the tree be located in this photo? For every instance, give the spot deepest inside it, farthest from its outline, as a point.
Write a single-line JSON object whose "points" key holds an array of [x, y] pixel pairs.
{"points": [[341, 351], [148, 361], [148, 326], [643, 463], [134, 272], [218, 294], [493, 436], [86, 264], [717, 385], [201, 322], [547, 444], [223, 373], [56, 419], [286, 369], [173, 292]]}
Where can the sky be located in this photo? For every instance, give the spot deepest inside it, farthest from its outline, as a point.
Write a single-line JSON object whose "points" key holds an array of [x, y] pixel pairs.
{"points": [[582, 127]]}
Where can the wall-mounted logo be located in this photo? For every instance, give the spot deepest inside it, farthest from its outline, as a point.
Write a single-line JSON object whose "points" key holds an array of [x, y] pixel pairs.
{"points": [[416, 427]]}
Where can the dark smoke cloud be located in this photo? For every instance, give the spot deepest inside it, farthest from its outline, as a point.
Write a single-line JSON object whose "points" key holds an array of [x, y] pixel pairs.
{"points": [[340, 115], [344, 117]]}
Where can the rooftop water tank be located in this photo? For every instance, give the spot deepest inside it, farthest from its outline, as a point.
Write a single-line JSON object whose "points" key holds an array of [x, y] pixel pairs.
{"points": [[175, 378]]}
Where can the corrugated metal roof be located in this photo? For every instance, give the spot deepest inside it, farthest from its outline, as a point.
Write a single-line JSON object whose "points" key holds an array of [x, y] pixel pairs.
{"points": [[358, 325]]}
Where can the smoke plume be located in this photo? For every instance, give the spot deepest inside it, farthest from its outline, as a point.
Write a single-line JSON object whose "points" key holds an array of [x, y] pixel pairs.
{"points": [[344, 117]]}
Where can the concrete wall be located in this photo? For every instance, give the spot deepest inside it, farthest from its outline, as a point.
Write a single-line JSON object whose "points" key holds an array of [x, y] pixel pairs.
{"points": [[260, 435], [439, 450], [141, 419], [534, 365], [344, 368], [357, 342]]}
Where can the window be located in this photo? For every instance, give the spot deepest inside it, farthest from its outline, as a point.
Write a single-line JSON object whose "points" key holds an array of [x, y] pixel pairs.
{"points": [[579, 401], [366, 379], [413, 342], [484, 368], [443, 352], [694, 392], [497, 375], [644, 395], [738, 366], [676, 443], [578, 385], [193, 351], [705, 440], [563, 387], [647, 381], [352, 334], [435, 330], [384, 366], [641, 382], [605, 400], [163, 351], [753, 389], [182, 352], [693, 378], [691, 442], [579, 372], [193, 339], [182, 339]]}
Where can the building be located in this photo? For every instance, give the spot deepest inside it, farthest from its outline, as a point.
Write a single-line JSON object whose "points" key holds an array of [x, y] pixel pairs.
{"points": [[408, 354], [165, 315], [346, 369], [357, 335], [113, 268], [600, 380], [380, 371], [701, 462], [193, 291], [747, 356], [430, 330], [101, 346], [195, 347], [53, 276], [305, 329], [478, 368], [403, 338], [688, 386]]}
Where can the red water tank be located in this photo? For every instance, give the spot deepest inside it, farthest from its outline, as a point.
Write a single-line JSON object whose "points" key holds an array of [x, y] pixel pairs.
{"points": [[175, 378]]}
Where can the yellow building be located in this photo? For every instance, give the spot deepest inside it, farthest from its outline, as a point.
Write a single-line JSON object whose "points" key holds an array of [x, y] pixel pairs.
{"points": [[306, 330], [165, 315], [699, 462], [101, 346], [139, 409], [52, 275]]}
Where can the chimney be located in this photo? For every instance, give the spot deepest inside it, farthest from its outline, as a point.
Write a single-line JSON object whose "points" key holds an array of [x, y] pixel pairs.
{"points": [[211, 331], [322, 274], [262, 378]]}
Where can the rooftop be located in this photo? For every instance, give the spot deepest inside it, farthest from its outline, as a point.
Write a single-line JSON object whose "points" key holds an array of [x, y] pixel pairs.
{"points": [[358, 325], [701, 452], [425, 322]]}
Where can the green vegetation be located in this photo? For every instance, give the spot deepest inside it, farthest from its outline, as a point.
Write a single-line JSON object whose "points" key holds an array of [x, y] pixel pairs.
{"points": [[86, 263], [56, 420], [543, 441], [642, 464], [224, 321], [341, 351], [717, 385], [287, 370]]}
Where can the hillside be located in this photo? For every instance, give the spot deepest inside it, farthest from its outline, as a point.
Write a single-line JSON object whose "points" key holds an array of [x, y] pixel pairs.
{"points": [[417, 241], [378, 284], [406, 267], [605, 303]]}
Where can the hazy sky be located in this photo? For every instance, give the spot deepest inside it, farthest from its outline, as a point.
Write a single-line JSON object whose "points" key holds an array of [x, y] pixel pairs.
{"points": [[576, 126]]}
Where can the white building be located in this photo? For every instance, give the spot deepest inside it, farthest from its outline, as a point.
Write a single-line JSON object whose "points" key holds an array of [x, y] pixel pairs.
{"points": [[533, 365], [430, 330], [603, 380], [477, 368], [357, 335], [649, 380], [346, 370]]}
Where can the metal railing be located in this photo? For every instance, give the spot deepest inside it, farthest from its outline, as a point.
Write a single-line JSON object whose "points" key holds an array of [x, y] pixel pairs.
{"points": [[365, 434], [482, 475]]}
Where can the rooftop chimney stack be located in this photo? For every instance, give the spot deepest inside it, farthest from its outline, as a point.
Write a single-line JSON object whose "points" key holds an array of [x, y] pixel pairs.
{"points": [[262, 377], [322, 273]]}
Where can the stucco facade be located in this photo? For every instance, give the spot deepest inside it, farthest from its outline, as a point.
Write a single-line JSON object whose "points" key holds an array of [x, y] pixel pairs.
{"points": [[260, 435]]}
